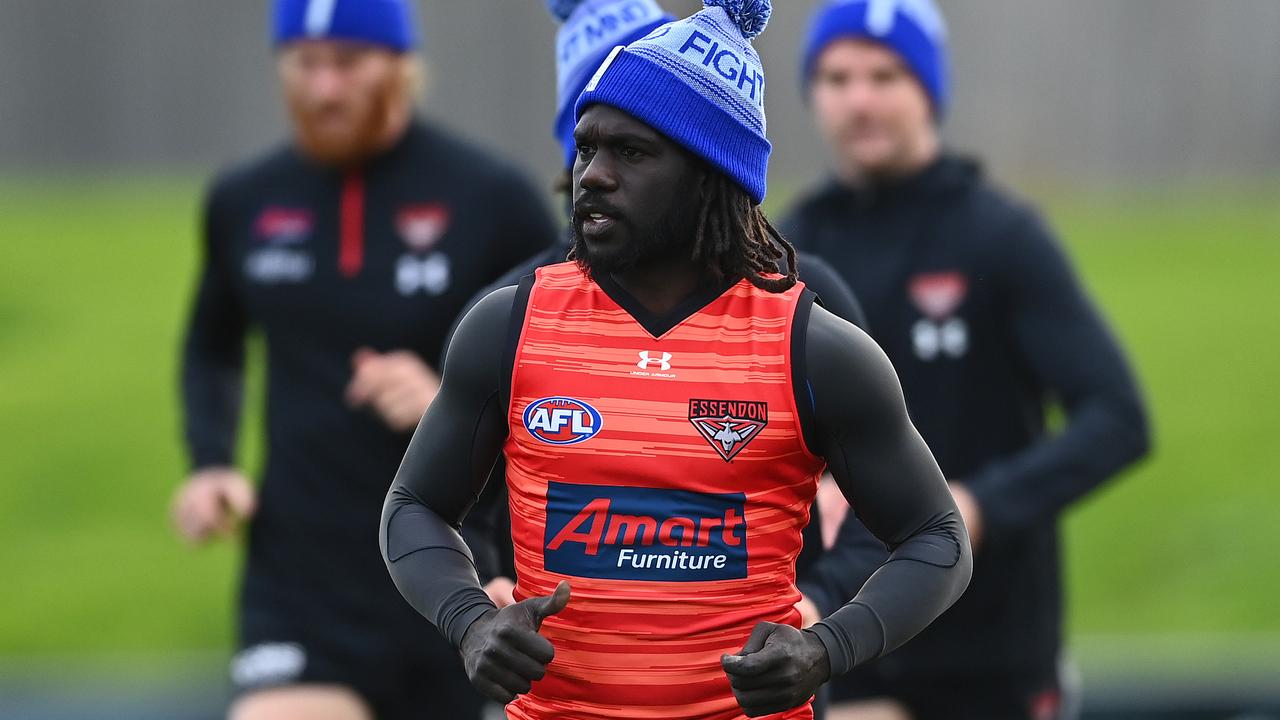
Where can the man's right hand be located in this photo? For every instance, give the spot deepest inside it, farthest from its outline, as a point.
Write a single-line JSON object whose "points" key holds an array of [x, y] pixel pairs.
{"points": [[503, 652], [211, 503]]}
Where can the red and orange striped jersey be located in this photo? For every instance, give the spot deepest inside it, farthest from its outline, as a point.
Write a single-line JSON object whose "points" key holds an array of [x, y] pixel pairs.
{"points": [[668, 480]]}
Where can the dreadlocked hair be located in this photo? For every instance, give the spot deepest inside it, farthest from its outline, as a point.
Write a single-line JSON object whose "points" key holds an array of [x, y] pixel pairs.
{"points": [[735, 239]]}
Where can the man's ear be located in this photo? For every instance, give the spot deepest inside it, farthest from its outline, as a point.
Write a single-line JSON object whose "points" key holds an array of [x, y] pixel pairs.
{"points": [[415, 76]]}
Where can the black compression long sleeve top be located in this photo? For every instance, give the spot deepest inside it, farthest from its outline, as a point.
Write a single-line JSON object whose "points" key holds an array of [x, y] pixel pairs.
{"points": [[859, 424]]}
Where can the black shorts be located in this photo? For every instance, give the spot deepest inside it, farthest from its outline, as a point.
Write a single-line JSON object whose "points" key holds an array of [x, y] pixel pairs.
{"points": [[382, 649], [993, 696]]}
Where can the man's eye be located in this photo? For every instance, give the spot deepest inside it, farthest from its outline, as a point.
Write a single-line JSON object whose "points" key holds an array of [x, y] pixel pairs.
{"points": [[886, 77], [834, 79], [585, 151], [631, 153]]}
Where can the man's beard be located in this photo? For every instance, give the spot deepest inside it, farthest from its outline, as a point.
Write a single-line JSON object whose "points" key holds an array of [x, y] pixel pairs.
{"points": [[666, 237], [364, 137]]}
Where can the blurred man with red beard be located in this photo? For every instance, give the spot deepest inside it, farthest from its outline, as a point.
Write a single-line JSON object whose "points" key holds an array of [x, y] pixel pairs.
{"points": [[351, 249]]}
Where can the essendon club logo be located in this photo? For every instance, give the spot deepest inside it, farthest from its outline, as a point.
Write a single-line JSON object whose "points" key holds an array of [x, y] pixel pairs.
{"points": [[638, 533], [728, 425], [421, 226], [937, 295]]}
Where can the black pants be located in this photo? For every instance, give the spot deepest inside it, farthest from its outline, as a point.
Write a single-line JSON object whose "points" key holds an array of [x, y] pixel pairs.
{"points": [[383, 650]]}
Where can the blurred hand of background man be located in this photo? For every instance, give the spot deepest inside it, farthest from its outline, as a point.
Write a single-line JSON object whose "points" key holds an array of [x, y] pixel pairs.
{"points": [[397, 385], [970, 512], [212, 503], [501, 590]]}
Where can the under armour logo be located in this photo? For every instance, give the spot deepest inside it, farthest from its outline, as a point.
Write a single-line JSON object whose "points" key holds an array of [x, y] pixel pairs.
{"points": [[664, 362], [431, 274], [935, 339]]}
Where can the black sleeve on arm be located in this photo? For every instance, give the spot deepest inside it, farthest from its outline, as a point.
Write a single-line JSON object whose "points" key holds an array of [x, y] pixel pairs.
{"points": [[444, 472], [891, 479], [481, 532], [1070, 352], [213, 351], [844, 567]]}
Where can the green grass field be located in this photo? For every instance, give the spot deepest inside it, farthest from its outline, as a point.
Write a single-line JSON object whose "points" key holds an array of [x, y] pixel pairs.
{"points": [[95, 278]]}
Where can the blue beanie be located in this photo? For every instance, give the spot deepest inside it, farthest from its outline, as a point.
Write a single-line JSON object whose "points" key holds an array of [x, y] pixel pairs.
{"points": [[915, 29], [590, 29], [379, 22], [699, 82]]}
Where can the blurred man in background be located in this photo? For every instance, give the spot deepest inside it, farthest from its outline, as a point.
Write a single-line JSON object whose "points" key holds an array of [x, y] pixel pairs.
{"points": [[353, 249], [971, 297]]}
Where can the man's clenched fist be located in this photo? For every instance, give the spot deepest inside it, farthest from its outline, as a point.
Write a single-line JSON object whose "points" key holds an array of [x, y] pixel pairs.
{"points": [[212, 502], [779, 668], [503, 652], [397, 385]]}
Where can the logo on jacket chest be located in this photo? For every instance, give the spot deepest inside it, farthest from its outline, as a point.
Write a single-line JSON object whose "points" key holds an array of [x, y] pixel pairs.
{"points": [[431, 275], [632, 533], [728, 425], [421, 226], [277, 254], [278, 225], [940, 333]]}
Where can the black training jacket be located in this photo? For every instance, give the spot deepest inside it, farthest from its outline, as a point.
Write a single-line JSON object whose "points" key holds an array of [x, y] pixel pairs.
{"points": [[986, 323], [324, 261]]}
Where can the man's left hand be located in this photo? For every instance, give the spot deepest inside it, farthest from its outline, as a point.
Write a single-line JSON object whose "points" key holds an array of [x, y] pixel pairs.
{"points": [[397, 385], [779, 668]]}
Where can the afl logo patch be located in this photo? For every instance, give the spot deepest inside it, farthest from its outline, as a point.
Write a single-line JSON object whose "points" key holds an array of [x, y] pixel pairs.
{"points": [[562, 421]]}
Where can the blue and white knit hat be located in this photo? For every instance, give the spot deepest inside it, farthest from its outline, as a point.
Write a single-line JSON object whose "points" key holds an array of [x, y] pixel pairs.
{"points": [[915, 29], [699, 82], [388, 23], [589, 30]]}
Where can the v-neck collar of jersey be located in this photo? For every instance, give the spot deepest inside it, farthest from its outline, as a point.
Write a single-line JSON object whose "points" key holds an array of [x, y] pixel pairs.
{"points": [[659, 325]]}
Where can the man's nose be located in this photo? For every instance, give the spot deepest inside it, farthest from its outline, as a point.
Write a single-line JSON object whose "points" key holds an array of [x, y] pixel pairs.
{"points": [[325, 83], [599, 174], [859, 95]]}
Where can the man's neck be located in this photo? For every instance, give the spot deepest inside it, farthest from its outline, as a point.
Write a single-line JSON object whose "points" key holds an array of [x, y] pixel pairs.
{"points": [[660, 287]]}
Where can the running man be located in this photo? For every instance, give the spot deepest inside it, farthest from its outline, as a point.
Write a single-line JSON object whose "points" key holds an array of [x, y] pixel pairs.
{"points": [[588, 31], [352, 249], [975, 303], [657, 511]]}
